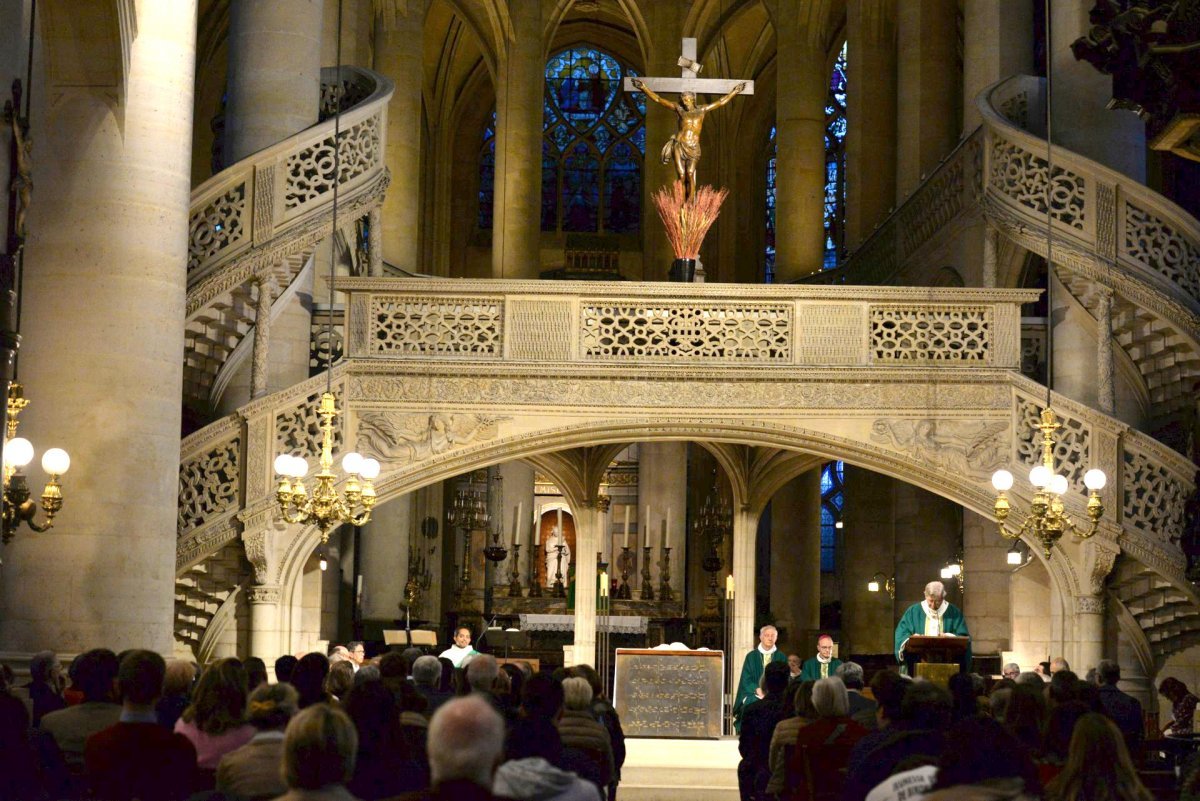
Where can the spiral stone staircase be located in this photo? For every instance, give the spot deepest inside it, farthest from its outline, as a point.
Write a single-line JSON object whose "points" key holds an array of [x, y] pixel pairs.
{"points": [[436, 367]]}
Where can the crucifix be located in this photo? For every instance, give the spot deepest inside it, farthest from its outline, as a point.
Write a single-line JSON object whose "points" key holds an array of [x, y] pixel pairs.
{"points": [[684, 147]]}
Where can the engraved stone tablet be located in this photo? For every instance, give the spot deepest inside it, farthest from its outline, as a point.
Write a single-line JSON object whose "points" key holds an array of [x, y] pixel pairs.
{"points": [[669, 693]]}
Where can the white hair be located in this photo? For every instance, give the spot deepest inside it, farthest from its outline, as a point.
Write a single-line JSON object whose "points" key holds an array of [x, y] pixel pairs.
{"points": [[768, 626], [830, 698], [935, 588], [466, 741]]}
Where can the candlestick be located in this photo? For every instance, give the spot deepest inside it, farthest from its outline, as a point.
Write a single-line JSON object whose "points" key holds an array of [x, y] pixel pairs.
{"points": [[625, 543], [514, 584], [664, 585], [560, 590], [535, 586], [663, 539], [624, 563], [517, 523], [647, 586]]}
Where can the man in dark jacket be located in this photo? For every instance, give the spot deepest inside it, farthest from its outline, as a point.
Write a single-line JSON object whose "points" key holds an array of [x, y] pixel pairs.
{"points": [[1123, 708], [758, 724]]}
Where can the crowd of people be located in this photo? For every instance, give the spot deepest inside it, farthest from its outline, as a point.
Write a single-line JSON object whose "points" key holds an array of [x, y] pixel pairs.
{"points": [[332, 727], [816, 731]]}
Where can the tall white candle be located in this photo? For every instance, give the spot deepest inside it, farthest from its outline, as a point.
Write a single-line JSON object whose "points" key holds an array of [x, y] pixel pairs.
{"points": [[537, 529], [560, 531], [646, 526], [517, 523], [666, 527], [625, 543]]}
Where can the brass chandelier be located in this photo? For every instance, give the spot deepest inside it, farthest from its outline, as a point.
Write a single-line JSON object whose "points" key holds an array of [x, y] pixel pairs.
{"points": [[1048, 520], [18, 452]]}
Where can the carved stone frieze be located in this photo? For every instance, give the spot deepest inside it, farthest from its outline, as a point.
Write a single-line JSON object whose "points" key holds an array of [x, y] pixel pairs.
{"points": [[977, 447], [398, 437], [1089, 604], [202, 542], [258, 543], [264, 594]]}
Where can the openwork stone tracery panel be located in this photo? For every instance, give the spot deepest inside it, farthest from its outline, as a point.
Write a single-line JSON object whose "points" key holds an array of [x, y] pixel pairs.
{"points": [[931, 333], [1154, 499], [686, 330], [1157, 245], [1071, 451], [208, 485], [1021, 176], [216, 226], [310, 171], [409, 325], [539, 329], [298, 429]]}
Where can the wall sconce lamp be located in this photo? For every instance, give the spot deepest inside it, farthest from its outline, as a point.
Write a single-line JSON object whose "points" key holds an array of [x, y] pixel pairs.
{"points": [[889, 584]]}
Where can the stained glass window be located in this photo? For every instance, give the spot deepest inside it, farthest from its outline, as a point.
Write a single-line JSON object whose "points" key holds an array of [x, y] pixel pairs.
{"points": [[832, 506], [594, 136], [835, 164], [769, 272], [487, 174]]}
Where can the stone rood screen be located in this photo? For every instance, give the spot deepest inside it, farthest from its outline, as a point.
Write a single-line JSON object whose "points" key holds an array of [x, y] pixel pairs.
{"points": [[669, 693]]}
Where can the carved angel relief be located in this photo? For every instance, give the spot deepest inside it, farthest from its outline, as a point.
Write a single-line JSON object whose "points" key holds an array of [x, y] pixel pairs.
{"points": [[969, 446], [396, 437]]}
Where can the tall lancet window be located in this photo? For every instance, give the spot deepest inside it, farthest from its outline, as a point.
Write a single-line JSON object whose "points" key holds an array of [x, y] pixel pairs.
{"points": [[833, 506], [835, 164], [487, 174], [769, 261], [594, 137]]}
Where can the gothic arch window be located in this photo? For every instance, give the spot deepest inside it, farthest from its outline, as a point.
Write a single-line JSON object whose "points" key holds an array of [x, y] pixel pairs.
{"points": [[594, 138], [835, 175], [487, 175], [833, 504]]}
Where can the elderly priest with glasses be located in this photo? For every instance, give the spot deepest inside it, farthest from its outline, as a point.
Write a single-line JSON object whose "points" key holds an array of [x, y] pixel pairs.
{"points": [[933, 617]]}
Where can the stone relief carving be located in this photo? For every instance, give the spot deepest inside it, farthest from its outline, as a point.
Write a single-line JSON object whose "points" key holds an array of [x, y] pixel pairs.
{"points": [[216, 226], [310, 171], [1089, 605], [258, 547], [396, 437], [968, 446], [208, 485]]}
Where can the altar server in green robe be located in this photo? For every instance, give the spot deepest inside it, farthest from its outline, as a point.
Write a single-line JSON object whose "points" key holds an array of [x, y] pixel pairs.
{"points": [[748, 689], [934, 617]]}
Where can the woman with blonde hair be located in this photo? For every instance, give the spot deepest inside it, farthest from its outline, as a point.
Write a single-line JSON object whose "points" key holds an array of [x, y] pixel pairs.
{"points": [[215, 723], [319, 755], [252, 771], [1098, 766]]}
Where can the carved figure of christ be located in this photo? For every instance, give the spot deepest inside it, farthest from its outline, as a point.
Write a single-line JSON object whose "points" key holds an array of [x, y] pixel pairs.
{"points": [[684, 147]]}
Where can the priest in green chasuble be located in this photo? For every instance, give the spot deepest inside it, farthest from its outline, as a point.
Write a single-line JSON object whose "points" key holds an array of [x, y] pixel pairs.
{"points": [[749, 689], [823, 665], [934, 617]]}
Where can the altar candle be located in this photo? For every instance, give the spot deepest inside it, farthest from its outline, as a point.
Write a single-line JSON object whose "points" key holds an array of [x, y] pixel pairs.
{"points": [[626, 542], [729, 587], [537, 530], [560, 531], [517, 523], [646, 526], [666, 527]]}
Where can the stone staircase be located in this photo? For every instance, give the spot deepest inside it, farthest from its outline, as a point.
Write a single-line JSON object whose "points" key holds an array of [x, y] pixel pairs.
{"points": [[205, 596], [1166, 612]]}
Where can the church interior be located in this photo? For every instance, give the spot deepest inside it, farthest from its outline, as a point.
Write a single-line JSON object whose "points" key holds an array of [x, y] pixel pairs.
{"points": [[943, 216]]}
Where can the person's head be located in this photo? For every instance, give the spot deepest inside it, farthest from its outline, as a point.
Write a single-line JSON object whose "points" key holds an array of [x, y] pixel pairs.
{"points": [[94, 673], [935, 593], [1172, 689], [219, 702], [593, 679], [998, 700], [775, 679], [1026, 714], [425, 671], [256, 672], [825, 646], [1098, 764], [889, 687], [962, 695], [794, 664], [978, 749], [319, 748], [542, 698], [1030, 679], [410, 655], [309, 678], [284, 666], [140, 678], [926, 706], [767, 636], [1062, 686], [1011, 671], [1059, 728], [367, 673], [1058, 663], [446, 682], [577, 693], [482, 673], [688, 100], [179, 677], [44, 668], [1108, 671], [271, 706], [462, 636], [1042, 669], [376, 717], [851, 674], [340, 679], [830, 699], [358, 651], [465, 741]]}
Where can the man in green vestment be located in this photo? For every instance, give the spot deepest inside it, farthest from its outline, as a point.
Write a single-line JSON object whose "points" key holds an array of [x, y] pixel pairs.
{"points": [[748, 689], [935, 617], [823, 665]]}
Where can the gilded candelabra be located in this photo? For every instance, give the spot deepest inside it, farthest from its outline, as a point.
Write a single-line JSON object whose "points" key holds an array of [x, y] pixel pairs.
{"points": [[624, 562], [325, 507], [18, 452], [1047, 520], [647, 585], [665, 593]]}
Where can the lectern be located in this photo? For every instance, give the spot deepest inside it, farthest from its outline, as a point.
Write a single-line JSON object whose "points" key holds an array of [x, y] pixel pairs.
{"points": [[941, 657]]}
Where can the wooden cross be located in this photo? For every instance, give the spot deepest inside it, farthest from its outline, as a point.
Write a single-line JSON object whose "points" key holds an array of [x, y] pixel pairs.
{"points": [[688, 80]]}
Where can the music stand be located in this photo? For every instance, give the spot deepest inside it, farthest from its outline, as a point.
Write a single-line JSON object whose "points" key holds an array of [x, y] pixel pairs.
{"points": [[405, 638], [506, 639], [941, 657]]}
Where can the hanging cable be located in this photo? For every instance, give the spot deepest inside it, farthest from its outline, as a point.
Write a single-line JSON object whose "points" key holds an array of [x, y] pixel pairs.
{"points": [[337, 169], [1048, 193]]}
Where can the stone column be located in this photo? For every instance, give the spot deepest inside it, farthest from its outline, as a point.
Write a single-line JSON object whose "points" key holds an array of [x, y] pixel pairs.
{"points": [[264, 600], [927, 89], [991, 247], [375, 242], [384, 564], [803, 86], [1075, 350], [868, 618], [661, 469], [587, 538], [265, 286], [399, 40], [1105, 381], [517, 219], [274, 73], [986, 605], [1089, 632], [796, 559], [664, 21], [997, 43], [870, 116], [745, 633], [1080, 94], [103, 333]]}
